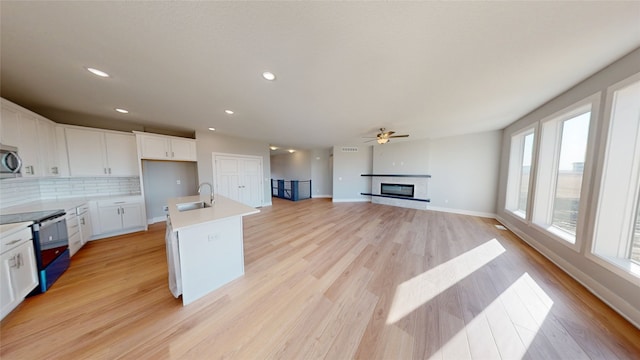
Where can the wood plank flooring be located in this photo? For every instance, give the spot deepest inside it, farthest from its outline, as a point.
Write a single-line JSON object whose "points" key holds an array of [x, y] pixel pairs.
{"points": [[326, 280]]}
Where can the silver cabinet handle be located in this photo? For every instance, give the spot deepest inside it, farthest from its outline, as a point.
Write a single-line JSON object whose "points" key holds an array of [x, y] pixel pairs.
{"points": [[54, 170], [82, 221], [122, 210], [105, 170], [172, 154], [166, 153], [109, 171], [20, 261], [14, 242], [13, 262], [118, 211]]}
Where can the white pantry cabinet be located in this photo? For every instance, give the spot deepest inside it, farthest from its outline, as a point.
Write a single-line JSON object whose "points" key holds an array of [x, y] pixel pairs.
{"points": [[101, 153], [18, 272], [162, 147], [117, 215]]}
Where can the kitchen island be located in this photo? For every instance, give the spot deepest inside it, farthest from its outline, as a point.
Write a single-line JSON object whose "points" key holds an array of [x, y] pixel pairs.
{"points": [[204, 244]]}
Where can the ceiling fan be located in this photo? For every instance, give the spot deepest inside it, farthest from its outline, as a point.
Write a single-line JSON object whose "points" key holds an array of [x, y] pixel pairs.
{"points": [[383, 136]]}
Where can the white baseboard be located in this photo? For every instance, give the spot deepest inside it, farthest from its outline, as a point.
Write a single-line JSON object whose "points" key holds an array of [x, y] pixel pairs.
{"points": [[610, 298], [156, 219], [321, 196], [351, 200], [267, 204], [462, 212]]}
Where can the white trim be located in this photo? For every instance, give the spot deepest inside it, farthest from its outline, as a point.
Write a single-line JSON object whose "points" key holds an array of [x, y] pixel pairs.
{"points": [[351, 200], [610, 298], [156, 219], [267, 204], [462, 212], [322, 196]]}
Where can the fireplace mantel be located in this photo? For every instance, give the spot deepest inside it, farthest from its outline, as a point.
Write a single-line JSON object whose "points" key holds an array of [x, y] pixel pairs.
{"points": [[398, 175]]}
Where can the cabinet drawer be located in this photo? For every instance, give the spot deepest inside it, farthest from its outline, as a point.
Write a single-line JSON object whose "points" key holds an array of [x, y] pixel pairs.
{"points": [[14, 240], [75, 243]]}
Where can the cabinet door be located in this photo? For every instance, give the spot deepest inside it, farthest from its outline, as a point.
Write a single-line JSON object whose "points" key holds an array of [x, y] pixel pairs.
{"points": [[122, 155], [131, 215], [24, 274], [28, 145], [10, 126], [86, 151], [85, 227], [7, 293], [110, 218], [75, 243], [154, 147], [48, 148], [183, 149], [61, 151]]}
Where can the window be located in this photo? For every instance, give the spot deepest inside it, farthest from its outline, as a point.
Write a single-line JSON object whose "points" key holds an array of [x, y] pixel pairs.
{"points": [[562, 157], [617, 223], [520, 160]]}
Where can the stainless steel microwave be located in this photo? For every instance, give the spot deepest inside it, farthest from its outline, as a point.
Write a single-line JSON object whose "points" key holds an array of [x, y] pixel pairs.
{"points": [[10, 162]]}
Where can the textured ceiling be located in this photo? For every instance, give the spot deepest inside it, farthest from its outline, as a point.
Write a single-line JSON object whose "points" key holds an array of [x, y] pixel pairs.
{"points": [[430, 69]]}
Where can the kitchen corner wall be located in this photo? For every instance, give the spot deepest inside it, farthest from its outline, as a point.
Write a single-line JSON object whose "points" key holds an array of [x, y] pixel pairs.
{"points": [[20, 191]]}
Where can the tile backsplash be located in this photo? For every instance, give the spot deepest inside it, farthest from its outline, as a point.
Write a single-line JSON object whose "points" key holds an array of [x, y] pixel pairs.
{"points": [[20, 191]]}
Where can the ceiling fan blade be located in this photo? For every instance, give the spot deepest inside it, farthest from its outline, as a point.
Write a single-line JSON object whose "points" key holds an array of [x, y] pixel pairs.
{"points": [[389, 133], [371, 140], [398, 136]]}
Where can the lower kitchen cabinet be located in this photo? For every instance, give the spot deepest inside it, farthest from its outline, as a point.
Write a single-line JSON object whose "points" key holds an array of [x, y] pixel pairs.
{"points": [[18, 272], [117, 216]]}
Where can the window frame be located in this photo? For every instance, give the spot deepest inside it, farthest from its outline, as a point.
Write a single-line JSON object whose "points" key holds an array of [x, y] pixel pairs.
{"points": [[623, 267], [513, 188], [548, 151]]}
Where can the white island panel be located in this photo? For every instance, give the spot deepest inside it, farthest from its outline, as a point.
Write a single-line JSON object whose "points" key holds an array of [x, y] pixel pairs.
{"points": [[211, 255]]}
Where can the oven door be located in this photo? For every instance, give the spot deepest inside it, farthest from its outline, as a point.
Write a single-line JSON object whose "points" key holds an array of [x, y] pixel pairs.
{"points": [[53, 239]]}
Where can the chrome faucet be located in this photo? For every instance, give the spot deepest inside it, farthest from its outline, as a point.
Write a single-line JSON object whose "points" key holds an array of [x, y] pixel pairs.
{"points": [[210, 187]]}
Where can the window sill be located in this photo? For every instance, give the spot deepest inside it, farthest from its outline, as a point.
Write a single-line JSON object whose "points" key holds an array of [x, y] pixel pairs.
{"points": [[626, 268], [560, 235]]}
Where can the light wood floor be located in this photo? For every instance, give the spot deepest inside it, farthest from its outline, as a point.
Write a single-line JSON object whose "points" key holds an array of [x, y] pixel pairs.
{"points": [[325, 280]]}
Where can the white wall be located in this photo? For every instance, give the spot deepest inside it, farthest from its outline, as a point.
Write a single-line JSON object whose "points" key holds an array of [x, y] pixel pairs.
{"points": [[291, 166], [347, 168], [464, 169], [464, 173], [620, 293], [321, 172], [208, 142], [161, 182]]}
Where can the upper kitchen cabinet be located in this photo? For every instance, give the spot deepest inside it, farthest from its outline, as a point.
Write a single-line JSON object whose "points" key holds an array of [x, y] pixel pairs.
{"points": [[34, 136], [161, 147], [101, 153]]}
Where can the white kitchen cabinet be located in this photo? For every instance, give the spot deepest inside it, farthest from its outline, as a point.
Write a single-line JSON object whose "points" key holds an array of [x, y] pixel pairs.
{"points": [[48, 148], [18, 272], [61, 151], [10, 124], [84, 221], [34, 136], [161, 147], [101, 153], [117, 215]]}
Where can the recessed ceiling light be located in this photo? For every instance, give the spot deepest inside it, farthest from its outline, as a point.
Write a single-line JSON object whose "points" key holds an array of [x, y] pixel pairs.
{"points": [[122, 111], [212, 129], [269, 75], [291, 151], [97, 72], [273, 147], [229, 112]]}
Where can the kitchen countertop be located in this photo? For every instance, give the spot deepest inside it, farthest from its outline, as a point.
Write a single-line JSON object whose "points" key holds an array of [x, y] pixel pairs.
{"points": [[8, 229], [222, 208], [55, 204]]}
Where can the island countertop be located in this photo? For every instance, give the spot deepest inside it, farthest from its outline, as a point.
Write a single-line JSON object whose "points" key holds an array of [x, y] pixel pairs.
{"points": [[222, 208]]}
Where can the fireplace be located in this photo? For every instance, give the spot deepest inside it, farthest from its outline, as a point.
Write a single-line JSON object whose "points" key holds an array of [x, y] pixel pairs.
{"points": [[404, 190]]}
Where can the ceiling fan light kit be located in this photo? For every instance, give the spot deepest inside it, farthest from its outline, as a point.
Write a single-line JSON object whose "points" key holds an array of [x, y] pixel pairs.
{"points": [[383, 136]]}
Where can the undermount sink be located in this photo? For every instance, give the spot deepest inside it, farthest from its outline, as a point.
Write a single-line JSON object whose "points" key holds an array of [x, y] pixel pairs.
{"points": [[192, 206]]}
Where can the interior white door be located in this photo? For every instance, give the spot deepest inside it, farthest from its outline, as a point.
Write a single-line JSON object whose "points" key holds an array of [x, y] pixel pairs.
{"points": [[239, 178]]}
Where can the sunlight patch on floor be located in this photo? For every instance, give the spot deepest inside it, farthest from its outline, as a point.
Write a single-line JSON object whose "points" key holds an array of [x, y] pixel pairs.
{"points": [[417, 291], [488, 335]]}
